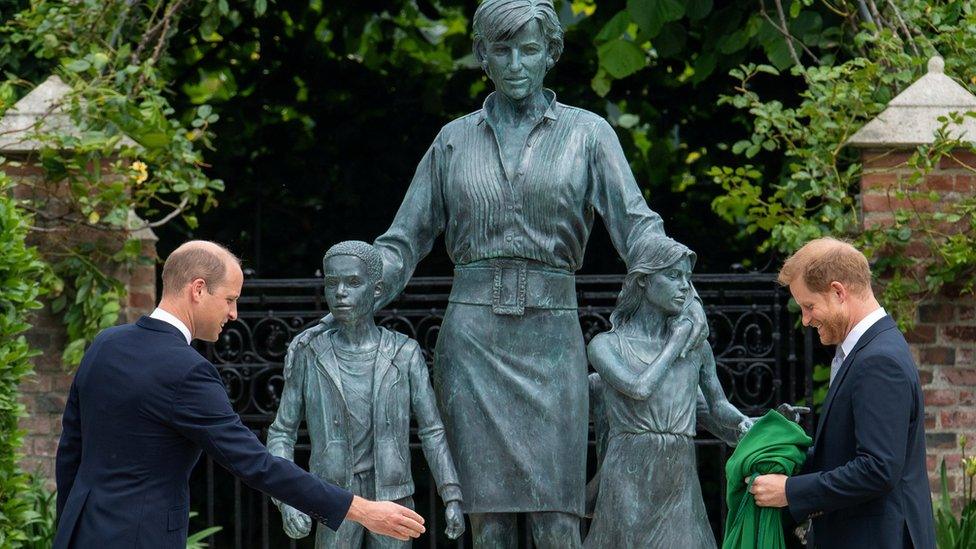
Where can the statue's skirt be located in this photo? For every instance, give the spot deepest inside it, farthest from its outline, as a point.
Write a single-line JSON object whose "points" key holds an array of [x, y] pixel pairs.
{"points": [[649, 495], [512, 391]]}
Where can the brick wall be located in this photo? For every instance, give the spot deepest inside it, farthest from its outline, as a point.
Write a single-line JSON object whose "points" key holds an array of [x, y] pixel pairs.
{"points": [[45, 392], [943, 339]]}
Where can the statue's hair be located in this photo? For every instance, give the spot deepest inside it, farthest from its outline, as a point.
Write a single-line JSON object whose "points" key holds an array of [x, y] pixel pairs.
{"points": [[647, 256], [196, 259], [825, 260], [500, 19], [365, 251]]}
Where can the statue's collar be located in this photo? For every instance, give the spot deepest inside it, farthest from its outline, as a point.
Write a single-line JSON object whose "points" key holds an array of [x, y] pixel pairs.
{"points": [[488, 107]]}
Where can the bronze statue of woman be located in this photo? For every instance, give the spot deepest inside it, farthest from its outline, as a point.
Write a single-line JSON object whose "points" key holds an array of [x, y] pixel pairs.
{"points": [[515, 187]]}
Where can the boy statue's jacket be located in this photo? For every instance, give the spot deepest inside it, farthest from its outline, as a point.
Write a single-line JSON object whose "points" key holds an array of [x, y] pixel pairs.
{"points": [[313, 391]]}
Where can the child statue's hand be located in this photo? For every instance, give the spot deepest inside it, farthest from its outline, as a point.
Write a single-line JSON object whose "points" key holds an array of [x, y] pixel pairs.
{"points": [[695, 314], [680, 328], [297, 524], [455, 520], [745, 425]]}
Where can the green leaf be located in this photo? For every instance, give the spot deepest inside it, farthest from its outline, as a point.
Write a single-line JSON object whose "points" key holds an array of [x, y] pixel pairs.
{"points": [[651, 15], [614, 28], [78, 65], [260, 6], [621, 58], [628, 120], [671, 40], [778, 53], [703, 67], [600, 83], [697, 9]]}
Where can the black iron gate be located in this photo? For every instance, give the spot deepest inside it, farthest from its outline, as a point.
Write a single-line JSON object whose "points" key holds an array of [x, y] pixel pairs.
{"points": [[762, 360]]}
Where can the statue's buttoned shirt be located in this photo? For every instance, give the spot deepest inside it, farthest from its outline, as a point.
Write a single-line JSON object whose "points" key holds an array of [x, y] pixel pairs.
{"points": [[571, 168]]}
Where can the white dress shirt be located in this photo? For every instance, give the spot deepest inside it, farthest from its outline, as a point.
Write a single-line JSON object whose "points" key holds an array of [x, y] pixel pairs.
{"points": [[160, 314], [845, 348]]}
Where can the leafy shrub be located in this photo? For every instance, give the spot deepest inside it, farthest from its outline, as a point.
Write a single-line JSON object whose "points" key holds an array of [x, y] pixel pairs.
{"points": [[950, 532], [24, 278]]}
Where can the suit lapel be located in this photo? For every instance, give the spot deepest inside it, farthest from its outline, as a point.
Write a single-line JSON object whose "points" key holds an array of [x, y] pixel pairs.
{"points": [[326, 361], [882, 325]]}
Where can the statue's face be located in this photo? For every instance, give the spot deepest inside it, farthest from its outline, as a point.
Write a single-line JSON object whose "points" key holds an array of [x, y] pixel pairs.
{"points": [[517, 66], [668, 289], [348, 289]]}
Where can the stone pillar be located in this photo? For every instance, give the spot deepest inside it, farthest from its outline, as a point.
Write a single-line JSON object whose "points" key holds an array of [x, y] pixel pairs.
{"points": [[943, 340], [44, 394]]}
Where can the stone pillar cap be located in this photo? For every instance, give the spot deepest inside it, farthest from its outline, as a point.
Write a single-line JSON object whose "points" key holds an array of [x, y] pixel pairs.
{"points": [[912, 117], [41, 111]]}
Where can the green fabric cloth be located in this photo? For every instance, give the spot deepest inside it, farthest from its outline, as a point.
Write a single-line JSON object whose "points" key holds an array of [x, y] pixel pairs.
{"points": [[774, 444]]}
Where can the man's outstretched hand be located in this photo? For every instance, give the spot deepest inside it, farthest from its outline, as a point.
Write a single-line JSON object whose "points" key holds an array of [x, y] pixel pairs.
{"points": [[386, 518]]}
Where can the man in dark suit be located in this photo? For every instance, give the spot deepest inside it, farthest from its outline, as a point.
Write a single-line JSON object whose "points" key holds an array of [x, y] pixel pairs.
{"points": [[864, 483], [144, 404]]}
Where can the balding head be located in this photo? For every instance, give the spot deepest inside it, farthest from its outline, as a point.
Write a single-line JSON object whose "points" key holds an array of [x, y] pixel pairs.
{"points": [[196, 259], [825, 260]]}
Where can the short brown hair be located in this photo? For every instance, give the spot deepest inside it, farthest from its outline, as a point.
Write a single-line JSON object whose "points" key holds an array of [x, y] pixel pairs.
{"points": [[196, 259], [825, 260]]}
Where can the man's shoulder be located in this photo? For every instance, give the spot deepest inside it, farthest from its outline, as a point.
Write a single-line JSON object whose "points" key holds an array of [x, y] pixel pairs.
{"points": [[887, 343], [148, 341]]}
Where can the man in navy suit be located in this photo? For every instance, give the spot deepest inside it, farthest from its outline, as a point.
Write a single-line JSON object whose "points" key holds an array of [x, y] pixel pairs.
{"points": [[144, 404], [864, 483]]}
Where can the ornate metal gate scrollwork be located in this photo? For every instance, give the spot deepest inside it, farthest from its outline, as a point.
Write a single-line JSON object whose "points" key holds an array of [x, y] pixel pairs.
{"points": [[762, 360]]}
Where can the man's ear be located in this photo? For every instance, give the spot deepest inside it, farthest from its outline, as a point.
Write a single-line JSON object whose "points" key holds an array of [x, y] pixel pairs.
{"points": [[839, 290], [378, 289], [196, 288], [641, 281]]}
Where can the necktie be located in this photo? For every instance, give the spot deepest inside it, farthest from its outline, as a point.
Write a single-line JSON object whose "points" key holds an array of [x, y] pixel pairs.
{"points": [[836, 363]]}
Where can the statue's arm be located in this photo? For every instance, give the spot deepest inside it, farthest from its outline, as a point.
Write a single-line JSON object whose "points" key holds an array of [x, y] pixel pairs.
{"points": [[614, 194], [291, 409], [418, 222], [720, 410], [430, 428], [609, 363]]}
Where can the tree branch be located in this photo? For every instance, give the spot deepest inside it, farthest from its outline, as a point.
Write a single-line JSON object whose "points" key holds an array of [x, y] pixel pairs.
{"points": [[786, 34], [904, 27]]}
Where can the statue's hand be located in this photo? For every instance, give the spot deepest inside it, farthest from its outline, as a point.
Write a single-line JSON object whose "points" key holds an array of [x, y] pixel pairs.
{"points": [[455, 520], [695, 313], [296, 523], [680, 329], [744, 426], [304, 337], [791, 412]]}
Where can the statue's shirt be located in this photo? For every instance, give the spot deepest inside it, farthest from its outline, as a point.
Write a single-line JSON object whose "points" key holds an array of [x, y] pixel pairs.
{"points": [[356, 373], [571, 168]]}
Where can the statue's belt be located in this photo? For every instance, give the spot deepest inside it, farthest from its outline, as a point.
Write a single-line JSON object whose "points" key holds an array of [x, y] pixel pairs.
{"points": [[510, 286]]}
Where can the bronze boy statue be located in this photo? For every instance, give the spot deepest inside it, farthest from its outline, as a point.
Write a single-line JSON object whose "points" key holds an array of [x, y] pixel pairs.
{"points": [[355, 385]]}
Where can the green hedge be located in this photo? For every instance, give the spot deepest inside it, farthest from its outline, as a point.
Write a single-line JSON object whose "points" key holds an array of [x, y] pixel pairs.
{"points": [[23, 280]]}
